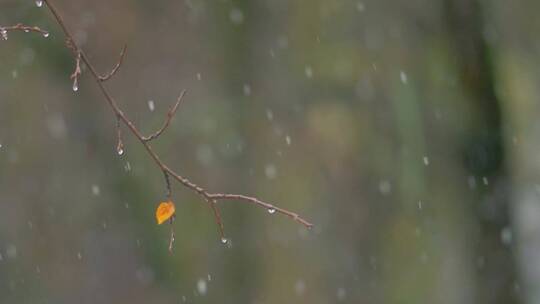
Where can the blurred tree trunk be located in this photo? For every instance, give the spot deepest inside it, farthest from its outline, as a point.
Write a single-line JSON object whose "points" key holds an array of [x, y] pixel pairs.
{"points": [[515, 30], [483, 153]]}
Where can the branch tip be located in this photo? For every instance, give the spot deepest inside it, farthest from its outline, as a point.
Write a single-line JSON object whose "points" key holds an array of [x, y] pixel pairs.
{"points": [[116, 66], [168, 119]]}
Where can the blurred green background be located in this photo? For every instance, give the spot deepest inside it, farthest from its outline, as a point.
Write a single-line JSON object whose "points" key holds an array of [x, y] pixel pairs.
{"points": [[407, 131]]}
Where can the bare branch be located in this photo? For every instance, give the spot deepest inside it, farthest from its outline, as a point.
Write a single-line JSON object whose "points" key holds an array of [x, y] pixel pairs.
{"points": [[21, 27], [217, 217], [170, 115], [77, 72], [167, 184], [171, 238], [116, 67], [211, 198], [269, 207], [120, 143]]}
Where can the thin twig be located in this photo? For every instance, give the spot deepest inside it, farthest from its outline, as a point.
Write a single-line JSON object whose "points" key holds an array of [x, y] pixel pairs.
{"points": [[170, 115], [211, 198], [269, 207], [21, 27], [77, 72], [120, 143], [171, 239], [168, 185], [219, 222], [116, 67]]}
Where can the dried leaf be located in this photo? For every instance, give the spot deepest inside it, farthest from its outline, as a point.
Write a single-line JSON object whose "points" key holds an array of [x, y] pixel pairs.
{"points": [[164, 211]]}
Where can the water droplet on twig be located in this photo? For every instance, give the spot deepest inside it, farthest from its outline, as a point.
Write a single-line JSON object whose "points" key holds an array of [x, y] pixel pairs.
{"points": [[271, 210], [224, 240], [39, 3], [120, 147], [46, 34]]}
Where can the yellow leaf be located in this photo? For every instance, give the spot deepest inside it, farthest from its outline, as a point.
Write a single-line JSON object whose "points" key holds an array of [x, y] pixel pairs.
{"points": [[164, 211]]}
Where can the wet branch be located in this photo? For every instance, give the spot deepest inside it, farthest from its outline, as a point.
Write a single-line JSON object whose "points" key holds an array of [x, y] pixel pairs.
{"points": [[4, 30], [116, 67], [170, 115], [211, 198]]}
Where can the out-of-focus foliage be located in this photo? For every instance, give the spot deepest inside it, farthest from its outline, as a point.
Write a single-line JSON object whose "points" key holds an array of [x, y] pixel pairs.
{"points": [[407, 131]]}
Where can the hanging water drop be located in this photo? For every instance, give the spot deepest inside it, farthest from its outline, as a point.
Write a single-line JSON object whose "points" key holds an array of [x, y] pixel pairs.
{"points": [[120, 150], [39, 3], [151, 105], [120, 146], [271, 210], [224, 240], [75, 86], [46, 34]]}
